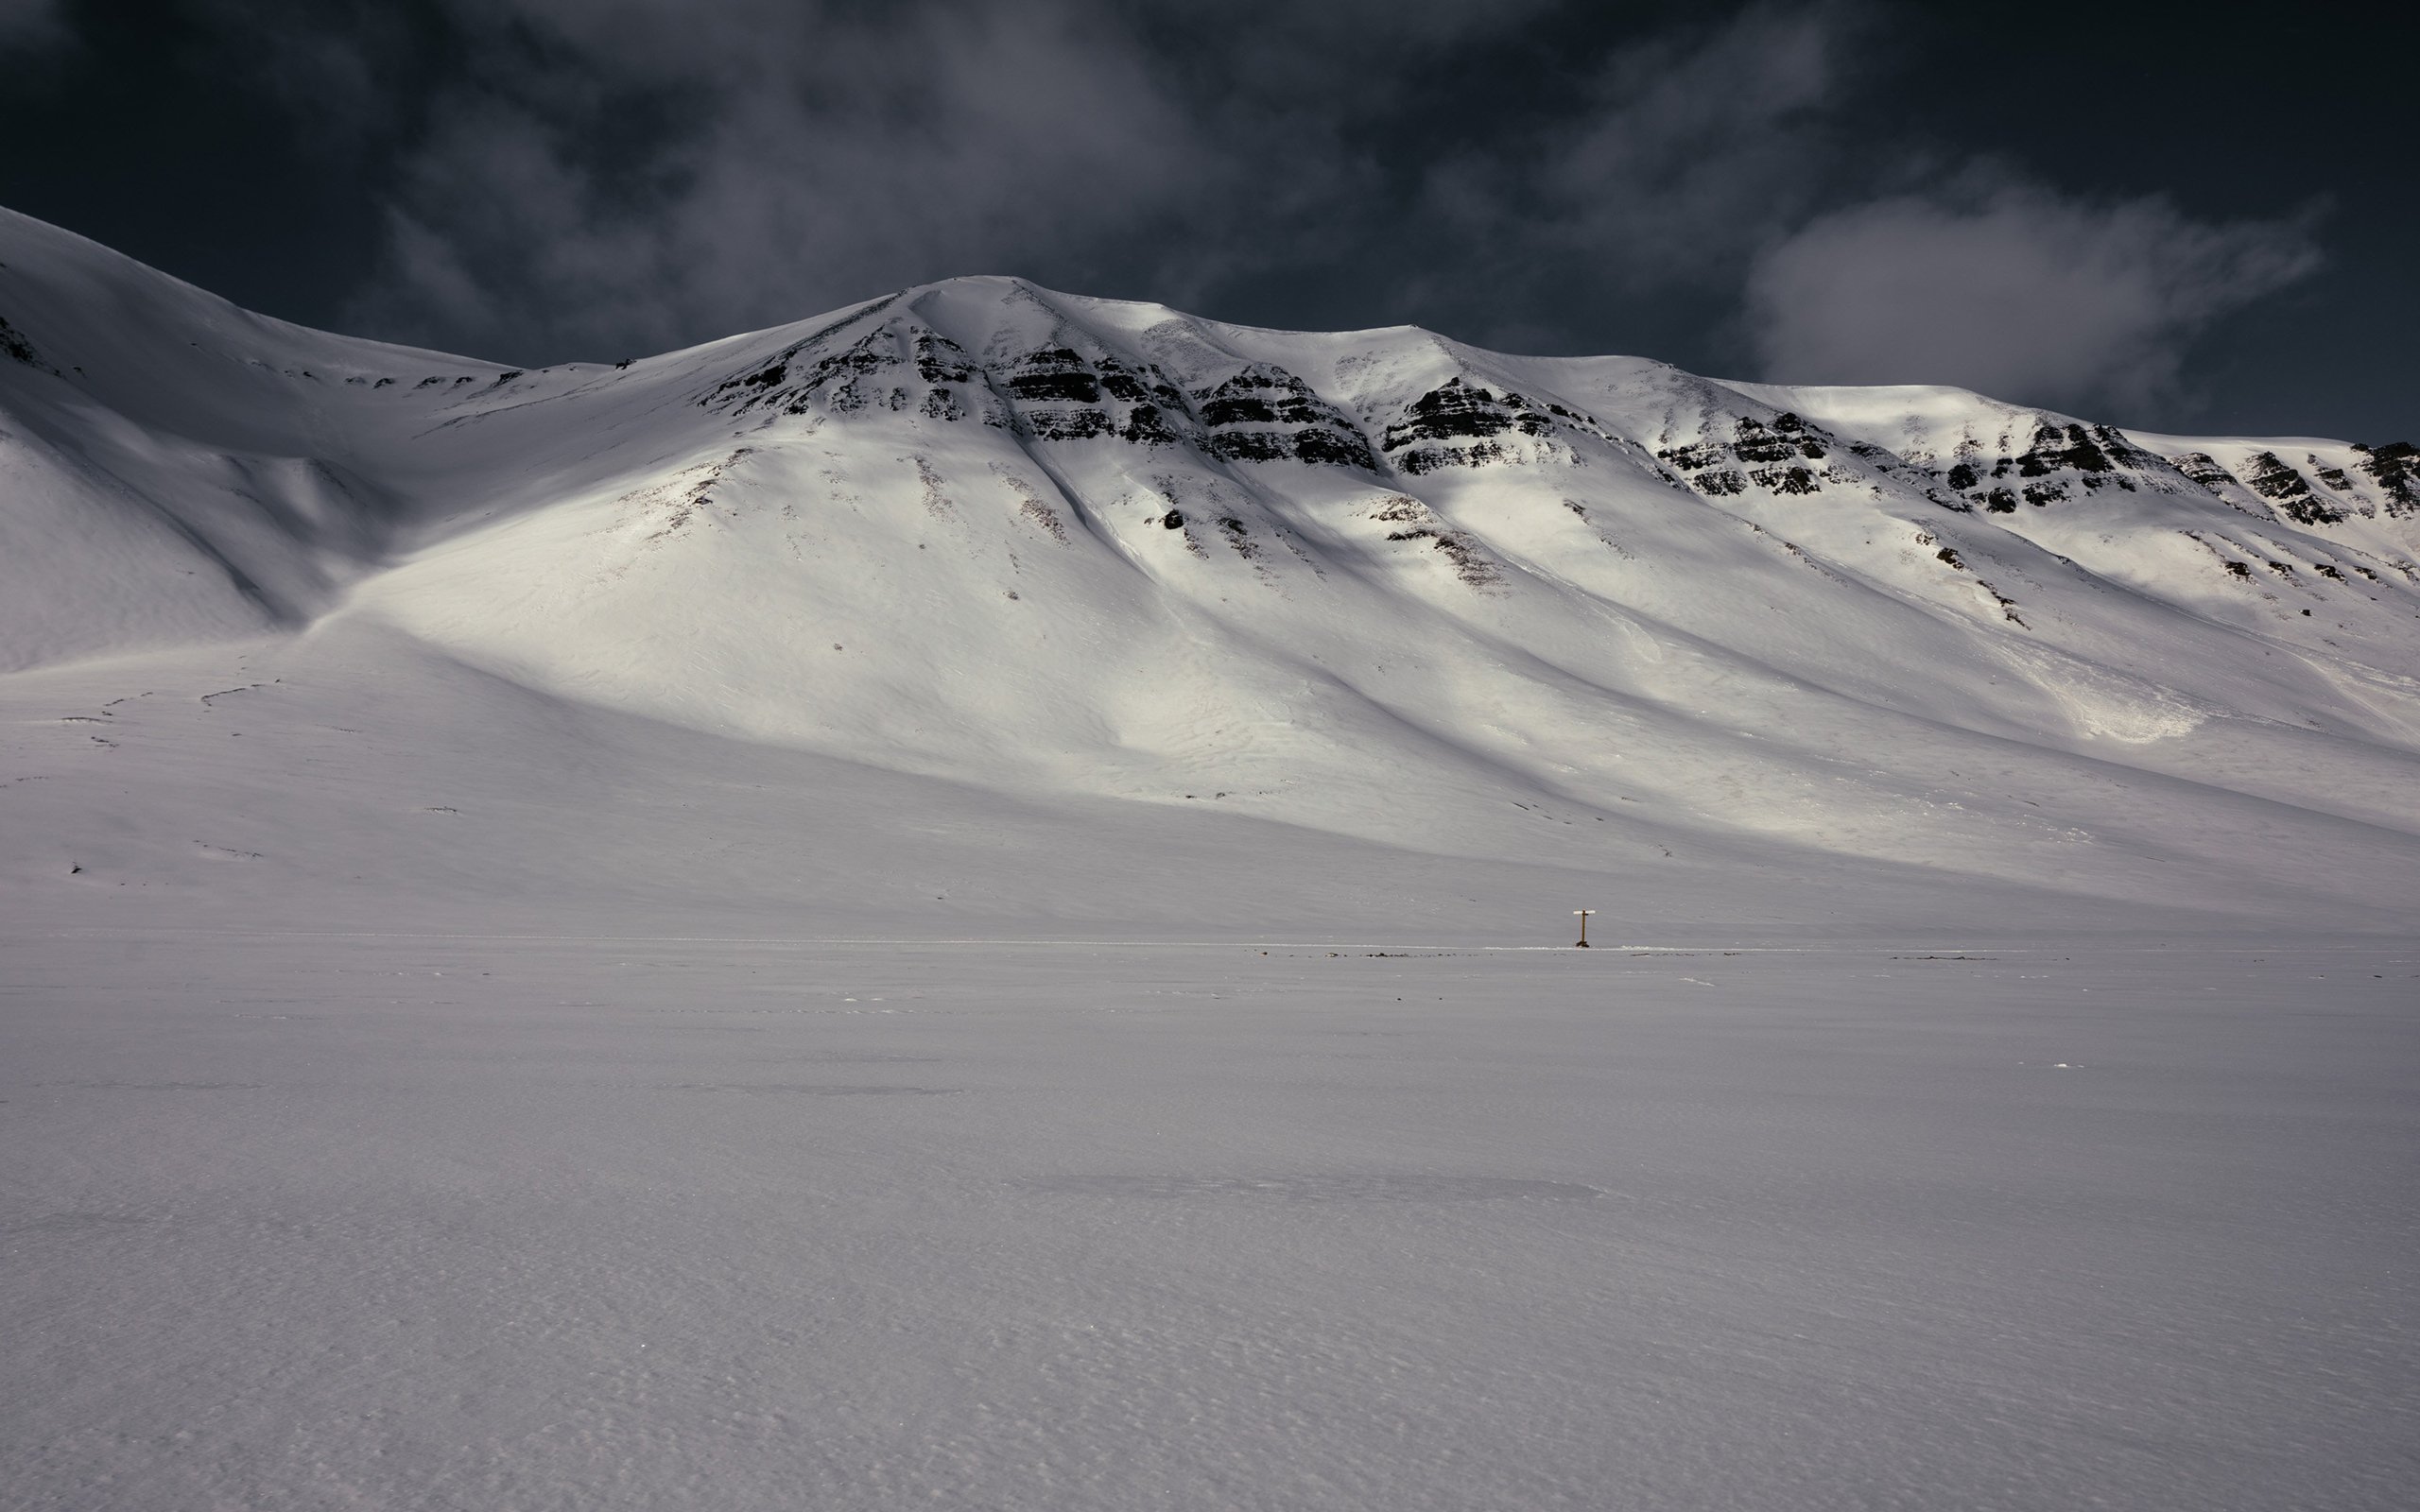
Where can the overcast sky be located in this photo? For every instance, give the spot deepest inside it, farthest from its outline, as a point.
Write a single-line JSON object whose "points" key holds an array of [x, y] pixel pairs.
{"points": [[2202, 225]]}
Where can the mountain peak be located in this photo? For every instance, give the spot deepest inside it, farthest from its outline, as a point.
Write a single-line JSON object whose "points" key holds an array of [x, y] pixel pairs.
{"points": [[1371, 582]]}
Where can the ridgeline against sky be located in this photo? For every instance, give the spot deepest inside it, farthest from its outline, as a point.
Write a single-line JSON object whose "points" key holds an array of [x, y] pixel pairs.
{"points": [[2181, 227]]}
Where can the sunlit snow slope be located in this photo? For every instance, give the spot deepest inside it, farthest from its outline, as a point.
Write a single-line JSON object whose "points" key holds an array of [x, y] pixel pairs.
{"points": [[1081, 610]]}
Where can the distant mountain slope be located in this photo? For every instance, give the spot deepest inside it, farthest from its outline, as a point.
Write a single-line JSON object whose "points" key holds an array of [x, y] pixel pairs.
{"points": [[1574, 612]]}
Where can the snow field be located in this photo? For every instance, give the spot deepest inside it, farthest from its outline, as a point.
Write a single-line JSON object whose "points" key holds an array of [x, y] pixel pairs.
{"points": [[309, 1220]]}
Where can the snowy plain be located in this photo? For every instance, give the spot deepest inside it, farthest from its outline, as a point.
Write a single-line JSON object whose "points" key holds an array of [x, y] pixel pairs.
{"points": [[395, 1220], [967, 903]]}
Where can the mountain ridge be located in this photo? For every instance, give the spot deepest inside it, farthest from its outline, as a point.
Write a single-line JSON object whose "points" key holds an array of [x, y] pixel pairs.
{"points": [[1376, 584]]}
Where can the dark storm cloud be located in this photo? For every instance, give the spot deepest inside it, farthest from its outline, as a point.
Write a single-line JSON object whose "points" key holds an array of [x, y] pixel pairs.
{"points": [[1676, 160], [625, 176], [2010, 289], [630, 175], [29, 24], [800, 161], [1676, 148]]}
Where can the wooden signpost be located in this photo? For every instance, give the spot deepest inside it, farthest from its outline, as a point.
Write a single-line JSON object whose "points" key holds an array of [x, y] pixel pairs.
{"points": [[1583, 914]]}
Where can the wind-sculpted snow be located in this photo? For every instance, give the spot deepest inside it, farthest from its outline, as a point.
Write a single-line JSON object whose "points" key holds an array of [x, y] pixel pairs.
{"points": [[1592, 615]]}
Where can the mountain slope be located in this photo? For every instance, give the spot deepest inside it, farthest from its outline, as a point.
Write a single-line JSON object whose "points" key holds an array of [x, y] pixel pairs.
{"points": [[1594, 615]]}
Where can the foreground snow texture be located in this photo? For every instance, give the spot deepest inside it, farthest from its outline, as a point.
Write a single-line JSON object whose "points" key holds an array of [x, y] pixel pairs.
{"points": [[371, 1221], [987, 614]]}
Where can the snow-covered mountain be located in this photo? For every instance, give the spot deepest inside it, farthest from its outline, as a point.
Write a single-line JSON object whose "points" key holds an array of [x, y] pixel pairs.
{"points": [[1006, 605]]}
